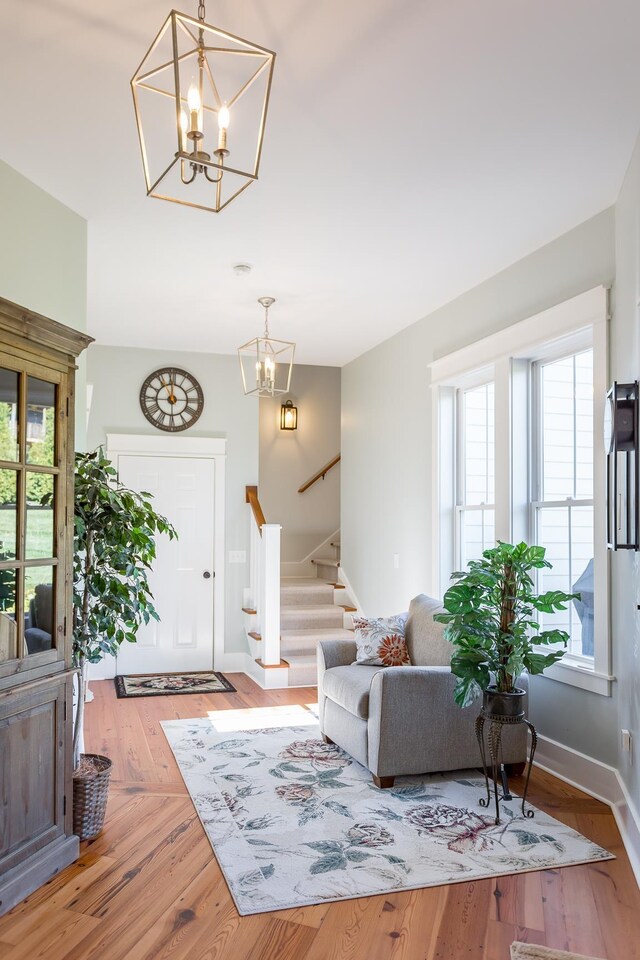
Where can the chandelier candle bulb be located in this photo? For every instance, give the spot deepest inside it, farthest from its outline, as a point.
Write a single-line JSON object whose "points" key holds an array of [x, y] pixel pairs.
{"points": [[223, 124], [269, 370], [193, 98], [195, 103]]}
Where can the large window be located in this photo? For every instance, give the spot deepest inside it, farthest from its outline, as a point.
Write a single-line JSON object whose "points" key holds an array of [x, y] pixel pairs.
{"points": [[562, 505], [526, 463], [476, 473]]}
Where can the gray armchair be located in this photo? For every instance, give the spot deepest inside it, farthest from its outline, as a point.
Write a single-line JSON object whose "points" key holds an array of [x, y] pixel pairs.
{"points": [[403, 720]]}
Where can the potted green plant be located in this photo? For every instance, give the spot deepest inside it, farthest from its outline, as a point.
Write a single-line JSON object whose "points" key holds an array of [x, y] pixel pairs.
{"points": [[491, 621], [114, 548]]}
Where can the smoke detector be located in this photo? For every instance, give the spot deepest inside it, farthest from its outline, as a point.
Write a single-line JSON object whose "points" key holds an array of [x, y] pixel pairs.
{"points": [[242, 269]]}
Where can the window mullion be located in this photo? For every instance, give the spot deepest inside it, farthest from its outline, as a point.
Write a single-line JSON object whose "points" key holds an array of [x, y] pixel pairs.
{"points": [[570, 606]]}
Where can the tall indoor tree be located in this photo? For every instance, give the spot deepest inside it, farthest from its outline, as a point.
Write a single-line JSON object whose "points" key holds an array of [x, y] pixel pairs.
{"points": [[114, 549]]}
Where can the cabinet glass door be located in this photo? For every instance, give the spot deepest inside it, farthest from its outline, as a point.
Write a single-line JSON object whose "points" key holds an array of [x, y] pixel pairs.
{"points": [[29, 469]]}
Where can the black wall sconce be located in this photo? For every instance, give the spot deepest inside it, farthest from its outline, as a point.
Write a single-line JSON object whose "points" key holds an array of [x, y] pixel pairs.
{"points": [[623, 469], [288, 416]]}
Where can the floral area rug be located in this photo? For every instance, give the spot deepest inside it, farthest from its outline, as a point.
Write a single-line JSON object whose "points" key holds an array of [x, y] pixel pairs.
{"points": [[169, 684], [294, 821]]}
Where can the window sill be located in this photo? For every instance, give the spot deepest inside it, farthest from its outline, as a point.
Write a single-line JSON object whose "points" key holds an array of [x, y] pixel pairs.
{"points": [[584, 677]]}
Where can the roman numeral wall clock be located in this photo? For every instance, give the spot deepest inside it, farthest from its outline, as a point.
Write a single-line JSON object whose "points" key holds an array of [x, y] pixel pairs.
{"points": [[171, 399]]}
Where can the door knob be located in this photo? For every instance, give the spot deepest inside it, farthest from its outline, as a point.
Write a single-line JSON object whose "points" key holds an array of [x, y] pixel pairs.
{"points": [[207, 575]]}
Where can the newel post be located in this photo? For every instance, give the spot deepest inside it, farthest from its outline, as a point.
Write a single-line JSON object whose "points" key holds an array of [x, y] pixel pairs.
{"points": [[270, 614]]}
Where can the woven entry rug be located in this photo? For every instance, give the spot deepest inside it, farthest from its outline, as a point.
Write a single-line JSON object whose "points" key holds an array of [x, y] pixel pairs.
{"points": [[531, 951], [294, 821], [165, 684]]}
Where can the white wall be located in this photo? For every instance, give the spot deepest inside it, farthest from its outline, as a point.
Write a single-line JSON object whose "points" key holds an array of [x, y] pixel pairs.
{"points": [[386, 451], [290, 457], [625, 366], [43, 261], [117, 374]]}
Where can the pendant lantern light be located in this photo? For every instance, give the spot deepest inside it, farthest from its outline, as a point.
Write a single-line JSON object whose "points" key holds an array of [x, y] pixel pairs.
{"points": [[266, 364], [201, 97]]}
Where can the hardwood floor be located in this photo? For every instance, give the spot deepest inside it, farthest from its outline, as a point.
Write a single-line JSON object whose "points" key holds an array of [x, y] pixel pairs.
{"points": [[149, 888]]}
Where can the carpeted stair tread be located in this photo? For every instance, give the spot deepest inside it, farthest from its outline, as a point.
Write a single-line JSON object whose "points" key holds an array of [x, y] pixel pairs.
{"points": [[308, 616], [302, 670], [304, 642], [305, 592], [337, 633], [309, 607], [302, 660]]}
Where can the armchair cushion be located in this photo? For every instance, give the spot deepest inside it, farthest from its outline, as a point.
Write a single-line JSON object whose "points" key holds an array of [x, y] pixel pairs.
{"points": [[349, 687], [380, 641], [425, 638]]}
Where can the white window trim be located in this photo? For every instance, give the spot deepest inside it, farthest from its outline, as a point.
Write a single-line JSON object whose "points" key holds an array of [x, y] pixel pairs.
{"points": [[480, 379], [579, 322]]}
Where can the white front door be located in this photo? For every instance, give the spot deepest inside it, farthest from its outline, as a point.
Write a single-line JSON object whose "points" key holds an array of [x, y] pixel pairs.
{"points": [[182, 577]]}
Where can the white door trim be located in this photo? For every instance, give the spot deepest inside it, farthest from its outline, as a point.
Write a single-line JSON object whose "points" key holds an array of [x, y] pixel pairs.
{"points": [[207, 448]]}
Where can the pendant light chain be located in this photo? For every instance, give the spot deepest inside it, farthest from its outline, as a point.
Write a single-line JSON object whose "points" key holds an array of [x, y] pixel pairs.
{"points": [[201, 11], [266, 323]]}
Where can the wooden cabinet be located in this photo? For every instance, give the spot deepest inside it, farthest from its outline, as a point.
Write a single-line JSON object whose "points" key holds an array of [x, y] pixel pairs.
{"points": [[37, 365]]}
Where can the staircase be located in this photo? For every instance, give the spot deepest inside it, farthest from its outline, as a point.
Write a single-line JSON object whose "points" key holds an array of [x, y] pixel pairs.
{"points": [[327, 567], [311, 609]]}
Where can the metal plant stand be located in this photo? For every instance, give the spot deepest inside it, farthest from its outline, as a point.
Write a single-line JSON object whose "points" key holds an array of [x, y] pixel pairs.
{"points": [[496, 723]]}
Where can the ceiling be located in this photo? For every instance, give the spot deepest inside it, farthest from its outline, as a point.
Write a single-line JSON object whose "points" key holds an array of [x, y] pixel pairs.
{"points": [[413, 148]]}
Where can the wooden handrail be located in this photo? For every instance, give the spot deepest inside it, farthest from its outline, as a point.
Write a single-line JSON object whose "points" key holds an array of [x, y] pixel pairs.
{"points": [[251, 497], [320, 474]]}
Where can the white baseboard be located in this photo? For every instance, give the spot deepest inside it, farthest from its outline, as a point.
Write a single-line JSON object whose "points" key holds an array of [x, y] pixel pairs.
{"points": [[600, 781]]}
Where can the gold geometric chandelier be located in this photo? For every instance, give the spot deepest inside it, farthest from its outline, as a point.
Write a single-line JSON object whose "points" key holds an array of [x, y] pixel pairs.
{"points": [[266, 364], [201, 97]]}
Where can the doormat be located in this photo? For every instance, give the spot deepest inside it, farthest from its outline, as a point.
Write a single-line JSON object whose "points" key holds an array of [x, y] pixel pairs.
{"points": [[170, 684], [294, 821], [530, 951]]}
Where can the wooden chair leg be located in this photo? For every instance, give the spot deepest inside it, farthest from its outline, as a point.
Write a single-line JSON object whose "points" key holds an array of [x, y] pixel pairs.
{"points": [[383, 783], [326, 739]]}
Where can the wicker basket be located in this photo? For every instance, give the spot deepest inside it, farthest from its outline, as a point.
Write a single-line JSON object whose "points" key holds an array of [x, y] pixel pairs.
{"points": [[90, 792]]}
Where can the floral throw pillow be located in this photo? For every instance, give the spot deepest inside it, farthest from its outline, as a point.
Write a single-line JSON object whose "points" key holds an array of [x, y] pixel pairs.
{"points": [[380, 642]]}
